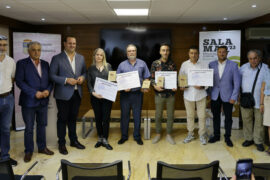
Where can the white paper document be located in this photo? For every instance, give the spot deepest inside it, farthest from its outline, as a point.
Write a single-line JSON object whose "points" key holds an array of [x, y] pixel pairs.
{"points": [[200, 77], [128, 80], [108, 90], [170, 78]]}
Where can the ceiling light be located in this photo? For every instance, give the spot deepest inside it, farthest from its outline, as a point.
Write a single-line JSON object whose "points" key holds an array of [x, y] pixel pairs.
{"points": [[42, 19], [131, 12], [225, 19], [254, 5], [8, 7]]}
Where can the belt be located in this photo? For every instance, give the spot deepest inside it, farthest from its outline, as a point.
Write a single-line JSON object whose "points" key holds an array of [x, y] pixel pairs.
{"points": [[5, 94]]}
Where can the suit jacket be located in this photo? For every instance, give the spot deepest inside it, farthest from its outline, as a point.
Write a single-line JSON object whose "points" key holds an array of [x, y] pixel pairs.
{"points": [[29, 81], [228, 85], [60, 69]]}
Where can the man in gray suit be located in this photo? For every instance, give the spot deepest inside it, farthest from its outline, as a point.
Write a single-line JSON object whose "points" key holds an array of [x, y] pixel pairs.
{"points": [[68, 72]]}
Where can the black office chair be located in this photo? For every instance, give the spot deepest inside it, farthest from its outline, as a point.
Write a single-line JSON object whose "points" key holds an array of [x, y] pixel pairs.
{"points": [[92, 171], [6, 172], [261, 171], [187, 171]]}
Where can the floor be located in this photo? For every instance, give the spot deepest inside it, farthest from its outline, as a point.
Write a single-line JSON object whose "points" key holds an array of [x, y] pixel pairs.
{"points": [[139, 156]]}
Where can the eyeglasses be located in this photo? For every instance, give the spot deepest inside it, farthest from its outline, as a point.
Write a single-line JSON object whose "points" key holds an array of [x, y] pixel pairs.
{"points": [[3, 45]]}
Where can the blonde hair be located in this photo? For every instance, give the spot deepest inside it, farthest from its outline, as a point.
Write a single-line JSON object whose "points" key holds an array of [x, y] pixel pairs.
{"points": [[104, 62]]}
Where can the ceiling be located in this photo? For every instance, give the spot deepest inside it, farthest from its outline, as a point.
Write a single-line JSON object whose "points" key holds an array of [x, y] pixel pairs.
{"points": [[160, 11]]}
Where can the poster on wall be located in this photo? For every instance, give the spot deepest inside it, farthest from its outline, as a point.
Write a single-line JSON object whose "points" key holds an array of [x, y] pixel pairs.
{"points": [[211, 40], [50, 46]]}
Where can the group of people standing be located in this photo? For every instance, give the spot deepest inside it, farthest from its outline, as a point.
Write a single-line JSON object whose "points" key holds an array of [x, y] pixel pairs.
{"points": [[67, 72]]}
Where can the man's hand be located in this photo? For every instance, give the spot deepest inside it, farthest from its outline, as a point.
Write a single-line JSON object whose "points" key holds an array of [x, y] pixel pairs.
{"points": [[127, 90], [80, 80], [39, 95], [198, 87], [174, 89], [144, 90], [232, 101], [97, 95], [72, 81], [158, 88], [45, 93], [261, 108]]}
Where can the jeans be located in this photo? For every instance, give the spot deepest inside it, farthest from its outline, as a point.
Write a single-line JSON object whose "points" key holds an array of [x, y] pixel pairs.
{"points": [[6, 112]]}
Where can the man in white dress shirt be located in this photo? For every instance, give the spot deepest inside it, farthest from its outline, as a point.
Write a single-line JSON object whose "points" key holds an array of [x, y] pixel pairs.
{"points": [[194, 96], [7, 73]]}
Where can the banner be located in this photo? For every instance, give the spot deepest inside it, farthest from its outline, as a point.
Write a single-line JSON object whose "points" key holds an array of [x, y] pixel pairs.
{"points": [[50, 46], [211, 40]]}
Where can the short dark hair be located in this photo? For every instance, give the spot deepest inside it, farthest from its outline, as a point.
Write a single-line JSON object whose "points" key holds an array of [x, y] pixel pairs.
{"points": [[68, 36], [194, 47], [165, 44], [223, 47]]}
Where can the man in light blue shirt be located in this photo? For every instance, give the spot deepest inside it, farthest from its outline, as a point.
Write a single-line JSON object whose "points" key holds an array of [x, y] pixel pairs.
{"points": [[248, 71], [132, 98]]}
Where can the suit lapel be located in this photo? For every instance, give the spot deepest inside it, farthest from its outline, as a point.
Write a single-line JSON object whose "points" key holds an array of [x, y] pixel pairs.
{"points": [[67, 63], [225, 69], [216, 69], [77, 63], [33, 67]]}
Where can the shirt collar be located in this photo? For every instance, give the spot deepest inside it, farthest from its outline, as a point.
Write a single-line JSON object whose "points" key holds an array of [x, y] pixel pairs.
{"points": [[34, 61], [134, 63], [192, 62], [67, 54], [223, 63]]}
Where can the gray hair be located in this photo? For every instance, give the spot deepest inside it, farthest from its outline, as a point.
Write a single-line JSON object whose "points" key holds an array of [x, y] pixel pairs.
{"points": [[33, 43], [2, 37], [131, 45], [258, 52]]}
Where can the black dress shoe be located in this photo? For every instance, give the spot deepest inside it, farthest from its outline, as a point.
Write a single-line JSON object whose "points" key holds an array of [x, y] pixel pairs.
{"points": [[63, 150], [13, 162], [139, 141], [108, 146], [77, 144], [98, 144], [260, 147], [27, 157], [122, 141], [229, 142], [214, 139], [247, 143]]}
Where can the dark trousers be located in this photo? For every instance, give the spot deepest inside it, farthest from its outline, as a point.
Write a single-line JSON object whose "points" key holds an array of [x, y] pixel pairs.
{"points": [[30, 114], [128, 101], [102, 109], [216, 110], [66, 116], [6, 111]]}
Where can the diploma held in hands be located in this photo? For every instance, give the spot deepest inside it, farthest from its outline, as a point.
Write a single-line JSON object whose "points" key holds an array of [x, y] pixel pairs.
{"points": [[169, 77], [108, 90], [128, 80], [200, 77]]}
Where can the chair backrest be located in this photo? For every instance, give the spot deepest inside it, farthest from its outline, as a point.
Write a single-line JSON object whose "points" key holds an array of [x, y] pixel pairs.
{"points": [[92, 171], [187, 171], [261, 171], [6, 171]]}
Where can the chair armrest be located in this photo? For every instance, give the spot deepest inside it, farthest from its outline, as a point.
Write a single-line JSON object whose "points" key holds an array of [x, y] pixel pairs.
{"points": [[58, 172], [148, 171], [222, 174], [129, 170], [28, 170]]}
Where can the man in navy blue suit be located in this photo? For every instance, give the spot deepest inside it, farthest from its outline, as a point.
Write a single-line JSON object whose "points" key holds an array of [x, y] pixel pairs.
{"points": [[32, 77]]}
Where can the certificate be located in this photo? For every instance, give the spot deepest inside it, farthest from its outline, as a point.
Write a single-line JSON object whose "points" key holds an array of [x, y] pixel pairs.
{"points": [[128, 80], [170, 78], [108, 90], [200, 77]]}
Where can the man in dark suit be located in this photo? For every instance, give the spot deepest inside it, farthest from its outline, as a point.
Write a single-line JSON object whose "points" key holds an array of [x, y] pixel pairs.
{"points": [[32, 77], [224, 92], [68, 72]]}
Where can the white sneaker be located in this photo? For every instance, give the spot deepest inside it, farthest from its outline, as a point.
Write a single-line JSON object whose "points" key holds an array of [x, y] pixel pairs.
{"points": [[156, 139], [189, 138], [169, 138], [203, 140]]}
